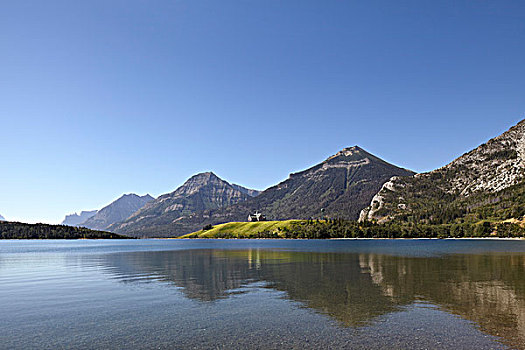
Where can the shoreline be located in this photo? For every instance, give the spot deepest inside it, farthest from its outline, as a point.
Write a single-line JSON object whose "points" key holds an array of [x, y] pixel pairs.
{"points": [[356, 238], [284, 239], [434, 238]]}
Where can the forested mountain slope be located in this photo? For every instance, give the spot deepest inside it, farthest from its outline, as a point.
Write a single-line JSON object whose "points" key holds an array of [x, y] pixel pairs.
{"points": [[486, 183]]}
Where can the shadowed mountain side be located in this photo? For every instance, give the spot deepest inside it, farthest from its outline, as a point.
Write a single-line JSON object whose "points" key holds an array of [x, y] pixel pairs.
{"points": [[339, 187]]}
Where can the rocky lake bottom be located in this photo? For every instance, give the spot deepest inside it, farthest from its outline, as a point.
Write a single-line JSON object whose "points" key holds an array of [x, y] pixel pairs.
{"points": [[262, 294]]}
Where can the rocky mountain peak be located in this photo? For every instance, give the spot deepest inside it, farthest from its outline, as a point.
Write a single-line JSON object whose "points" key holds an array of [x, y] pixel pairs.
{"points": [[197, 182], [2, 218], [353, 152], [200, 192], [203, 178], [349, 159], [205, 175]]}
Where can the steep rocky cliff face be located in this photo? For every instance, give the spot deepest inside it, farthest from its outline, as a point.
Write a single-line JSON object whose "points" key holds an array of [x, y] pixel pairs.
{"points": [[340, 187], [117, 211], [201, 192], [77, 219], [488, 181]]}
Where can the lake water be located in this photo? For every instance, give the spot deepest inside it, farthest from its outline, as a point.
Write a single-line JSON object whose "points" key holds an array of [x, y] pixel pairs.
{"points": [[262, 294]]}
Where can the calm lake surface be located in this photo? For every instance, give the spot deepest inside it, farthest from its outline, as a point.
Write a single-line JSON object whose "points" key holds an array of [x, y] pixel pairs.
{"points": [[406, 294]]}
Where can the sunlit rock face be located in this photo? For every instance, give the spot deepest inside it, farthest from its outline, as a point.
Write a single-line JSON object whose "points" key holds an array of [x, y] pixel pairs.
{"points": [[200, 192], [489, 169]]}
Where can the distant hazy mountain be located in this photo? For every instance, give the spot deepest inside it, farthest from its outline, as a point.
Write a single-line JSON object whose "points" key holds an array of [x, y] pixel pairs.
{"points": [[2, 218], [76, 219], [117, 211], [341, 187], [200, 192], [486, 183]]}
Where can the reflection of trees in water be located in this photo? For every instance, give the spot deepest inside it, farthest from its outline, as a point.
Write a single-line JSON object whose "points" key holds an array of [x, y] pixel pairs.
{"points": [[351, 288], [330, 283]]}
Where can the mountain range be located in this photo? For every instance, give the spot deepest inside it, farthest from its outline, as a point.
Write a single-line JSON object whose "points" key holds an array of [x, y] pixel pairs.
{"points": [[340, 186], [116, 211], [2, 218], [487, 183], [201, 192]]}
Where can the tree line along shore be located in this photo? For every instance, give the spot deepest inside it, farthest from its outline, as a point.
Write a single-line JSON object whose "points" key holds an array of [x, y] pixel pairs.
{"points": [[340, 228], [288, 229]]}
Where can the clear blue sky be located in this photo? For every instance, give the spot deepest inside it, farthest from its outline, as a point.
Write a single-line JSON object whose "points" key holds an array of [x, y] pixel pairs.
{"points": [[101, 98]]}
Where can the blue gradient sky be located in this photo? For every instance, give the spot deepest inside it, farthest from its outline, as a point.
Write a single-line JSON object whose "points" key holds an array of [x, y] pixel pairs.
{"points": [[100, 98]]}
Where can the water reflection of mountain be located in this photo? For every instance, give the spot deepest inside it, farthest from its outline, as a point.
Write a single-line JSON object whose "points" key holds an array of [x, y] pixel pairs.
{"points": [[351, 288], [486, 289], [201, 274]]}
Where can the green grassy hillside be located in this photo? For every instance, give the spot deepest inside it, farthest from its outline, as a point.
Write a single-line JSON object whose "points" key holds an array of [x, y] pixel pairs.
{"points": [[261, 229], [339, 228]]}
